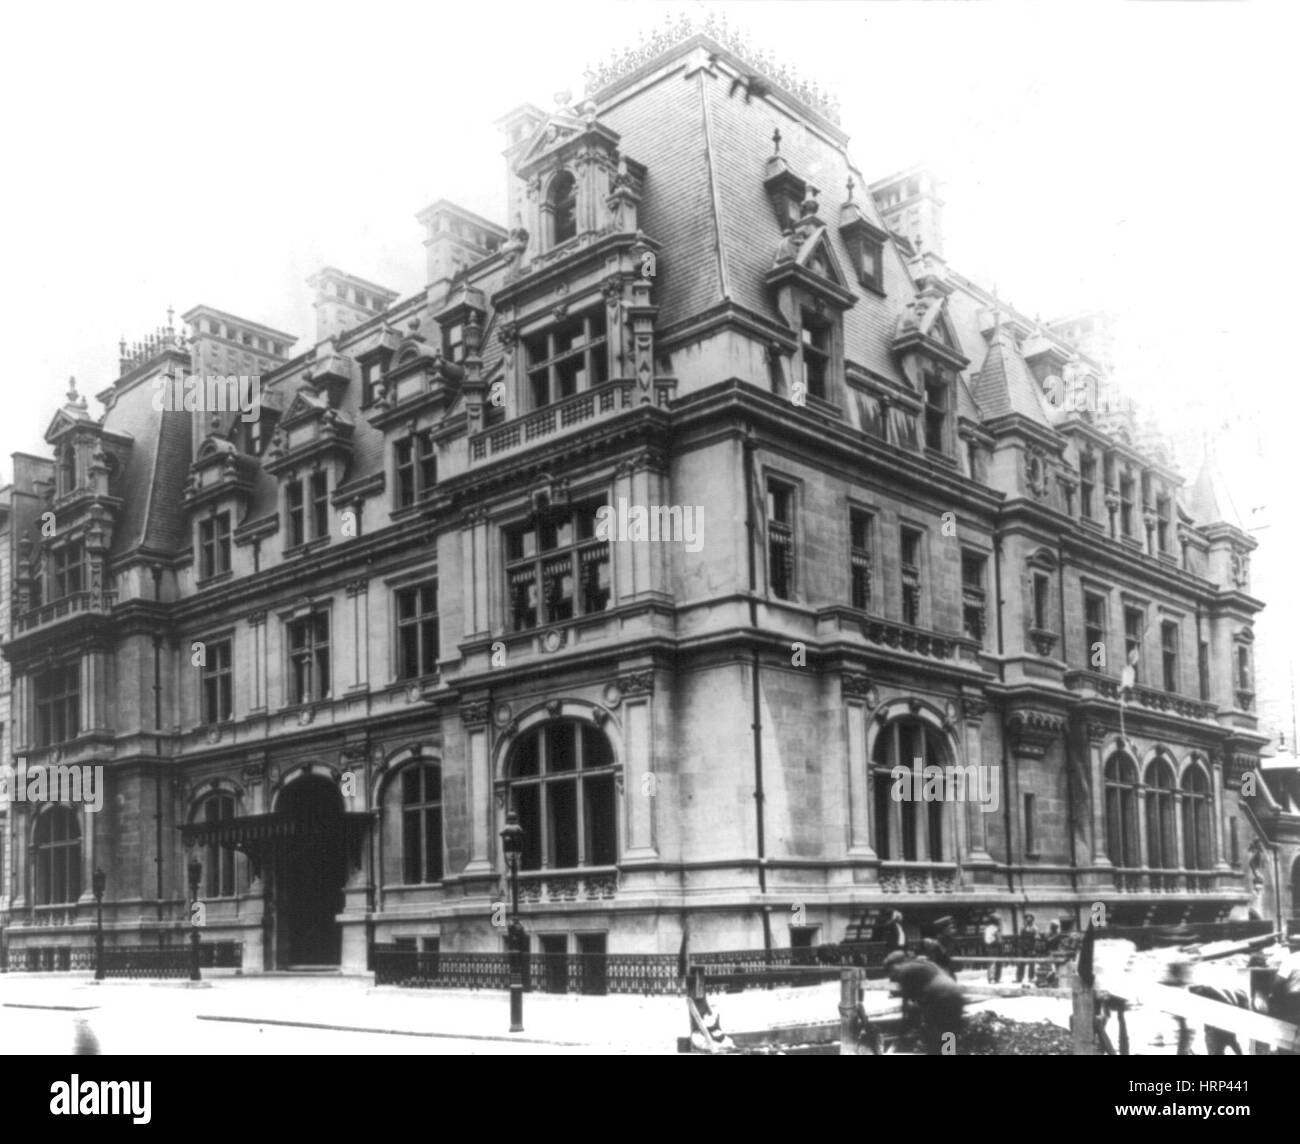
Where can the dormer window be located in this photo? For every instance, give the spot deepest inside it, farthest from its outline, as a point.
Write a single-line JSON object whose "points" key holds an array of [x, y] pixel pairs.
{"points": [[815, 346], [570, 357], [453, 343], [307, 501], [67, 470], [371, 375], [214, 545], [69, 570], [563, 201], [938, 392], [417, 467]]}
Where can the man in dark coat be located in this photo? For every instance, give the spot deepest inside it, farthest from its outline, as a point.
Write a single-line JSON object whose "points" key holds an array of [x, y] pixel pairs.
{"points": [[930, 994], [941, 946]]}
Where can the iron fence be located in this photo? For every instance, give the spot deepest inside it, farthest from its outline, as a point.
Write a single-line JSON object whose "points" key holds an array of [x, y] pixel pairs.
{"points": [[591, 973], [126, 961]]}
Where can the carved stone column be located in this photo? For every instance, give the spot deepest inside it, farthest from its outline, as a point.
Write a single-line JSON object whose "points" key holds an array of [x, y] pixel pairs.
{"points": [[641, 785], [859, 697], [972, 712], [1216, 793], [478, 786], [358, 594], [257, 624], [1097, 775]]}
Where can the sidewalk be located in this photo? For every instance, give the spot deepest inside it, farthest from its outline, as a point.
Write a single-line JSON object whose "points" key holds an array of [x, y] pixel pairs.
{"points": [[141, 1016]]}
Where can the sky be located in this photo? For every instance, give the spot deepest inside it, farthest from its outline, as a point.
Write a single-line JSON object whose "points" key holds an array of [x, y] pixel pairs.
{"points": [[1136, 158]]}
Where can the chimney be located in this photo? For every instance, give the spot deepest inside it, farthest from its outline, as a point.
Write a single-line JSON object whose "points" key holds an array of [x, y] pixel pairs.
{"points": [[344, 301]]}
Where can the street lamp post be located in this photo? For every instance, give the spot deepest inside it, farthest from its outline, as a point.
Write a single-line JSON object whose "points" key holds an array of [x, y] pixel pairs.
{"points": [[512, 844], [99, 881], [196, 875]]}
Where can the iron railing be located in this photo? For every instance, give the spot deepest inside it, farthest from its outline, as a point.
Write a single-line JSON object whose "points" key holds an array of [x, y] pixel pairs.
{"points": [[126, 961]]}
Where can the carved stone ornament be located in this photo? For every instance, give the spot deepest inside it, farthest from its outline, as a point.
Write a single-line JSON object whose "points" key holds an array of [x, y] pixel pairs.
{"points": [[637, 683], [613, 695], [474, 714], [973, 708], [501, 716], [1033, 732], [853, 684]]}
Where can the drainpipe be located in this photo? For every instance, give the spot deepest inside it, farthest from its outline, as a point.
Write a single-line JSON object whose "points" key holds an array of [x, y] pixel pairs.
{"points": [[756, 723], [1002, 674], [1069, 738], [156, 569]]}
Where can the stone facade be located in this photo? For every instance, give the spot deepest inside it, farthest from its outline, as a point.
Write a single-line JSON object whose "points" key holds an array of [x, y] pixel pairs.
{"points": [[326, 648]]}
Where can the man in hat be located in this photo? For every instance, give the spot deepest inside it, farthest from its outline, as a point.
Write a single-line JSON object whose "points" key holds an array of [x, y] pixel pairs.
{"points": [[1028, 947], [940, 947], [930, 994], [992, 935]]}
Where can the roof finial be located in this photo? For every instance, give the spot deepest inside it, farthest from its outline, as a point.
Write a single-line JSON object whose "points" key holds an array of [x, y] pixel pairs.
{"points": [[776, 140], [849, 187], [72, 391], [171, 314]]}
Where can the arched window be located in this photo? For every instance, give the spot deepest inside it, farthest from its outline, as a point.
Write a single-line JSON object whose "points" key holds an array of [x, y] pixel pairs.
{"points": [[422, 824], [1162, 842], [218, 860], [1121, 811], [562, 786], [563, 198], [1198, 851], [57, 853], [911, 827]]}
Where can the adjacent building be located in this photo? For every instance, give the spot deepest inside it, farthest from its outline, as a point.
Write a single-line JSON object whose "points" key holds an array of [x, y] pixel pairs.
{"points": [[676, 515]]}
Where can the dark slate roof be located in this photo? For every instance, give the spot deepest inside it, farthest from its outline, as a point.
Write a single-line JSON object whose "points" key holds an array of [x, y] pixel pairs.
{"points": [[1004, 383]]}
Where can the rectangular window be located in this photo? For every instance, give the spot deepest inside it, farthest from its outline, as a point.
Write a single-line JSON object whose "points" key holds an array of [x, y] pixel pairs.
{"points": [[937, 390], [572, 356], [1094, 627], [57, 694], [417, 467], [860, 559], [556, 568], [815, 346], [1133, 625], [320, 505], [417, 631], [371, 374], [1234, 845], [1163, 525], [910, 556], [453, 343], [218, 677], [973, 567], [1243, 667], [297, 519], [214, 545], [309, 658], [1087, 484], [1203, 668], [69, 566], [1169, 654], [869, 263], [1042, 601], [780, 539], [1031, 825], [1126, 505]]}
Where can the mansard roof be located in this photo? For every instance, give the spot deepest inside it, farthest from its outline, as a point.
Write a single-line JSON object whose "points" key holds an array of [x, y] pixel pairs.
{"points": [[1004, 384], [1209, 501]]}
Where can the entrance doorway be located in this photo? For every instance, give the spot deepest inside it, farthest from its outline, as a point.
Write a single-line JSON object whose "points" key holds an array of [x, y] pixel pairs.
{"points": [[311, 867]]}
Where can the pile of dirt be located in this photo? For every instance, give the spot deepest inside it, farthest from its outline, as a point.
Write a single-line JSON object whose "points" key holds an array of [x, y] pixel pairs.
{"points": [[985, 1034]]}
